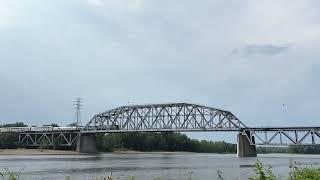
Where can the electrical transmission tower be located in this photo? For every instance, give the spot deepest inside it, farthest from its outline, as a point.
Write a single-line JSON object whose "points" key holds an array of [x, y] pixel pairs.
{"points": [[78, 105]]}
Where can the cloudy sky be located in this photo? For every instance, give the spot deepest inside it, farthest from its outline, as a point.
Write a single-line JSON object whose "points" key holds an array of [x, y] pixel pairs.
{"points": [[258, 59]]}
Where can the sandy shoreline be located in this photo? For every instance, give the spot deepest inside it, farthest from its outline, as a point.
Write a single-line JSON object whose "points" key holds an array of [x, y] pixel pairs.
{"points": [[36, 152], [65, 152]]}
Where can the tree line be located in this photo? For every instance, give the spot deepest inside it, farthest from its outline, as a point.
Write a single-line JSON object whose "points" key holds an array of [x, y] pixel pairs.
{"points": [[304, 149], [17, 124], [164, 141], [295, 149]]}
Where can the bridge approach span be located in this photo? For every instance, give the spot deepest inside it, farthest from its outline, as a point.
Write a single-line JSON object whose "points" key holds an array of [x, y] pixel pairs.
{"points": [[282, 135]]}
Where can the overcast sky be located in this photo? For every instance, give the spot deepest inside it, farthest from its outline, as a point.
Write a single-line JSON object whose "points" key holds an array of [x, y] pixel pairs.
{"points": [[258, 59]]}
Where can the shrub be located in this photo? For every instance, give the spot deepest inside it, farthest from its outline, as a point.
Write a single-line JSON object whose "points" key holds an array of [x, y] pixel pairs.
{"points": [[262, 173], [304, 174], [44, 144]]}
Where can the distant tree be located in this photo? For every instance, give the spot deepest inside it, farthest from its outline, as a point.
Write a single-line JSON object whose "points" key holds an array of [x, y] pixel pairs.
{"points": [[304, 149], [17, 124], [54, 125], [44, 144], [72, 124], [8, 141], [160, 142]]}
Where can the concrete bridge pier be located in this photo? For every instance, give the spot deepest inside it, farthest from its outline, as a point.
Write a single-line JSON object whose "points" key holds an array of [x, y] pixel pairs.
{"points": [[87, 143], [244, 149]]}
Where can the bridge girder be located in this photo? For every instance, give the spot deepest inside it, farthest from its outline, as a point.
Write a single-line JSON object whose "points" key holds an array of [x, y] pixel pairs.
{"points": [[163, 117]]}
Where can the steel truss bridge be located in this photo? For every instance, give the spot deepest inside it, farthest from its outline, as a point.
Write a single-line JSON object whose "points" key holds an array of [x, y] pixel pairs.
{"points": [[172, 117]]}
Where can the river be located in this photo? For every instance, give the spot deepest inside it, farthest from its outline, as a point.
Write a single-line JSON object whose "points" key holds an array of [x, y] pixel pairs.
{"points": [[148, 166]]}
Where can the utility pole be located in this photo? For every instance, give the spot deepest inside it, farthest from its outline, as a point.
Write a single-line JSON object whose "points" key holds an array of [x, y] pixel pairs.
{"points": [[78, 105]]}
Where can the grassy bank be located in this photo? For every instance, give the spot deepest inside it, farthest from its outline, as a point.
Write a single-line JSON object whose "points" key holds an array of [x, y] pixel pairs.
{"points": [[296, 173]]}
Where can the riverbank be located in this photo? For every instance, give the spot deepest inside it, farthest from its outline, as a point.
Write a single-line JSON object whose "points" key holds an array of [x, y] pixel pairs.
{"points": [[36, 152], [66, 152]]}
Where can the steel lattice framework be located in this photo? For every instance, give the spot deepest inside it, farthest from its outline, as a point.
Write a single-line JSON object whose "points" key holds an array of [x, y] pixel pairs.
{"points": [[163, 117], [67, 138], [282, 135]]}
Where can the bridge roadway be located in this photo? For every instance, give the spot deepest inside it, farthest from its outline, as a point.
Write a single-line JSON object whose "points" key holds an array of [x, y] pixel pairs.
{"points": [[173, 117]]}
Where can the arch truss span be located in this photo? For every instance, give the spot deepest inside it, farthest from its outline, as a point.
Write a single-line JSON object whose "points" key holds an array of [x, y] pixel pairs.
{"points": [[163, 117]]}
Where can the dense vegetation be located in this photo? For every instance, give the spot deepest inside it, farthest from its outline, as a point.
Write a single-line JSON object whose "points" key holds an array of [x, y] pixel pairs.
{"points": [[17, 124], [304, 149], [8, 141], [53, 125], [161, 142], [296, 173], [266, 150], [297, 149]]}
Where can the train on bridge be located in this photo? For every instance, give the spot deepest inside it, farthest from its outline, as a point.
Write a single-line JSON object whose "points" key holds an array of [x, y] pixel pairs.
{"points": [[37, 129]]}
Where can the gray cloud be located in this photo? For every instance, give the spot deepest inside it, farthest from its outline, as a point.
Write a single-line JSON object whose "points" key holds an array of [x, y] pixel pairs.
{"points": [[158, 51], [260, 50]]}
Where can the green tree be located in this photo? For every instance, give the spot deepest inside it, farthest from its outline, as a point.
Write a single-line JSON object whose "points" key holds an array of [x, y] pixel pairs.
{"points": [[262, 173], [44, 143], [72, 124], [160, 142], [8, 141], [17, 124], [53, 125]]}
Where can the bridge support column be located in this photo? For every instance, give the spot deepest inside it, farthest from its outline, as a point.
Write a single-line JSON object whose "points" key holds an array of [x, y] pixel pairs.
{"points": [[87, 143], [244, 149]]}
